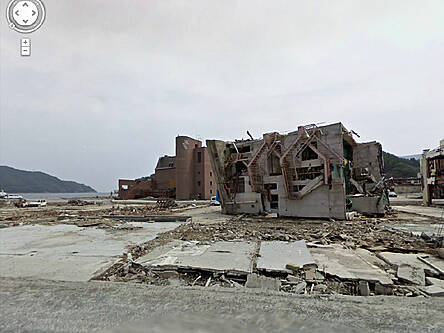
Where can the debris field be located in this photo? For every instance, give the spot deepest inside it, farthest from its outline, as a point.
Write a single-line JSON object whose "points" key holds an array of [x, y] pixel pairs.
{"points": [[361, 256]]}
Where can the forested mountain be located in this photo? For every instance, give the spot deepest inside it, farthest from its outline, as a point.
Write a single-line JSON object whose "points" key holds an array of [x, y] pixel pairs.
{"points": [[20, 181]]}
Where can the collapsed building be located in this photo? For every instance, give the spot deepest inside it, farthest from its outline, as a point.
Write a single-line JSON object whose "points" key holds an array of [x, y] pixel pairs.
{"points": [[317, 172], [432, 172], [187, 175]]}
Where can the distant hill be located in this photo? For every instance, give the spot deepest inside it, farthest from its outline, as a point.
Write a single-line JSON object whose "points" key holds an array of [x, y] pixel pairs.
{"points": [[408, 157], [397, 167], [20, 181]]}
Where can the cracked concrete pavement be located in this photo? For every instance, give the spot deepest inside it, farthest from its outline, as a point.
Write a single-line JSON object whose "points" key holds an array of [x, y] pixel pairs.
{"points": [[55, 306]]}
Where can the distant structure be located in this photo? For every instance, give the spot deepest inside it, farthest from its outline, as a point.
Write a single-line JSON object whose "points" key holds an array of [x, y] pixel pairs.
{"points": [[432, 172], [312, 172], [188, 175], [406, 185]]}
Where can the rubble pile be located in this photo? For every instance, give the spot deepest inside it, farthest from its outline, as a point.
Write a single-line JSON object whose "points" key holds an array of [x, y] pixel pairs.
{"points": [[78, 212], [360, 256], [366, 233], [304, 281]]}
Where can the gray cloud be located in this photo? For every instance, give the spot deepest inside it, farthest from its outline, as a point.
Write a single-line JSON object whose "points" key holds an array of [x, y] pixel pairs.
{"points": [[111, 83]]}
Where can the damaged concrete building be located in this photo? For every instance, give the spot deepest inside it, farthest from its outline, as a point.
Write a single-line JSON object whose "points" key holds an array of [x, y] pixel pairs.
{"points": [[188, 175], [432, 171], [318, 172]]}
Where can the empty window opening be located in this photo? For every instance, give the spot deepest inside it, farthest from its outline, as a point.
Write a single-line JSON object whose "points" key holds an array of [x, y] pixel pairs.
{"points": [[309, 154], [274, 166], [271, 186], [244, 149], [309, 173], [274, 203], [199, 157], [241, 185]]}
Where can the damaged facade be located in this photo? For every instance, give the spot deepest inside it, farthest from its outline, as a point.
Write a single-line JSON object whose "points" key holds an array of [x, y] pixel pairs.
{"points": [[188, 175], [312, 172], [432, 171]]}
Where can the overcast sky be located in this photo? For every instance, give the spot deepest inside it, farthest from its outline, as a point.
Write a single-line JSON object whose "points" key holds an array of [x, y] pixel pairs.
{"points": [[111, 83]]}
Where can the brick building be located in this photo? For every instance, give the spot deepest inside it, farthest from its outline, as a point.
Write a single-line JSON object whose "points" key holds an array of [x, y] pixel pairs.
{"points": [[188, 175]]}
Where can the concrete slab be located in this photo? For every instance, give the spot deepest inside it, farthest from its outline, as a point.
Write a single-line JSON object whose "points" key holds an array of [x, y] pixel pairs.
{"points": [[411, 274], [262, 282], [350, 264], [411, 259], [433, 291], [275, 256], [67, 252], [224, 257], [436, 287], [61, 268], [433, 212], [367, 205]]}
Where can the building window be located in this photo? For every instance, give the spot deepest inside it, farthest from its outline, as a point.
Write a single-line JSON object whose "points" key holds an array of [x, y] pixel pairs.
{"points": [[199, 157], [274, 166], [241, 185], [309, 154], [124, 187], [211, 174], [198, 183], [211, 191], [211, 183], [274, 203]]}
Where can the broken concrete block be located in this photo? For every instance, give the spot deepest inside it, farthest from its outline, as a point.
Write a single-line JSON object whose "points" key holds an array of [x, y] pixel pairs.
{"points": [[348, 264], [436, 287], [411, 274], [440, 253], [293, 279], [364, 289], [312, 275], [262, 282], [382, 290], [292, 267], [300, 288], [277, 256], [167, 274], [434, 291], [321, 288], [435, 282]]}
